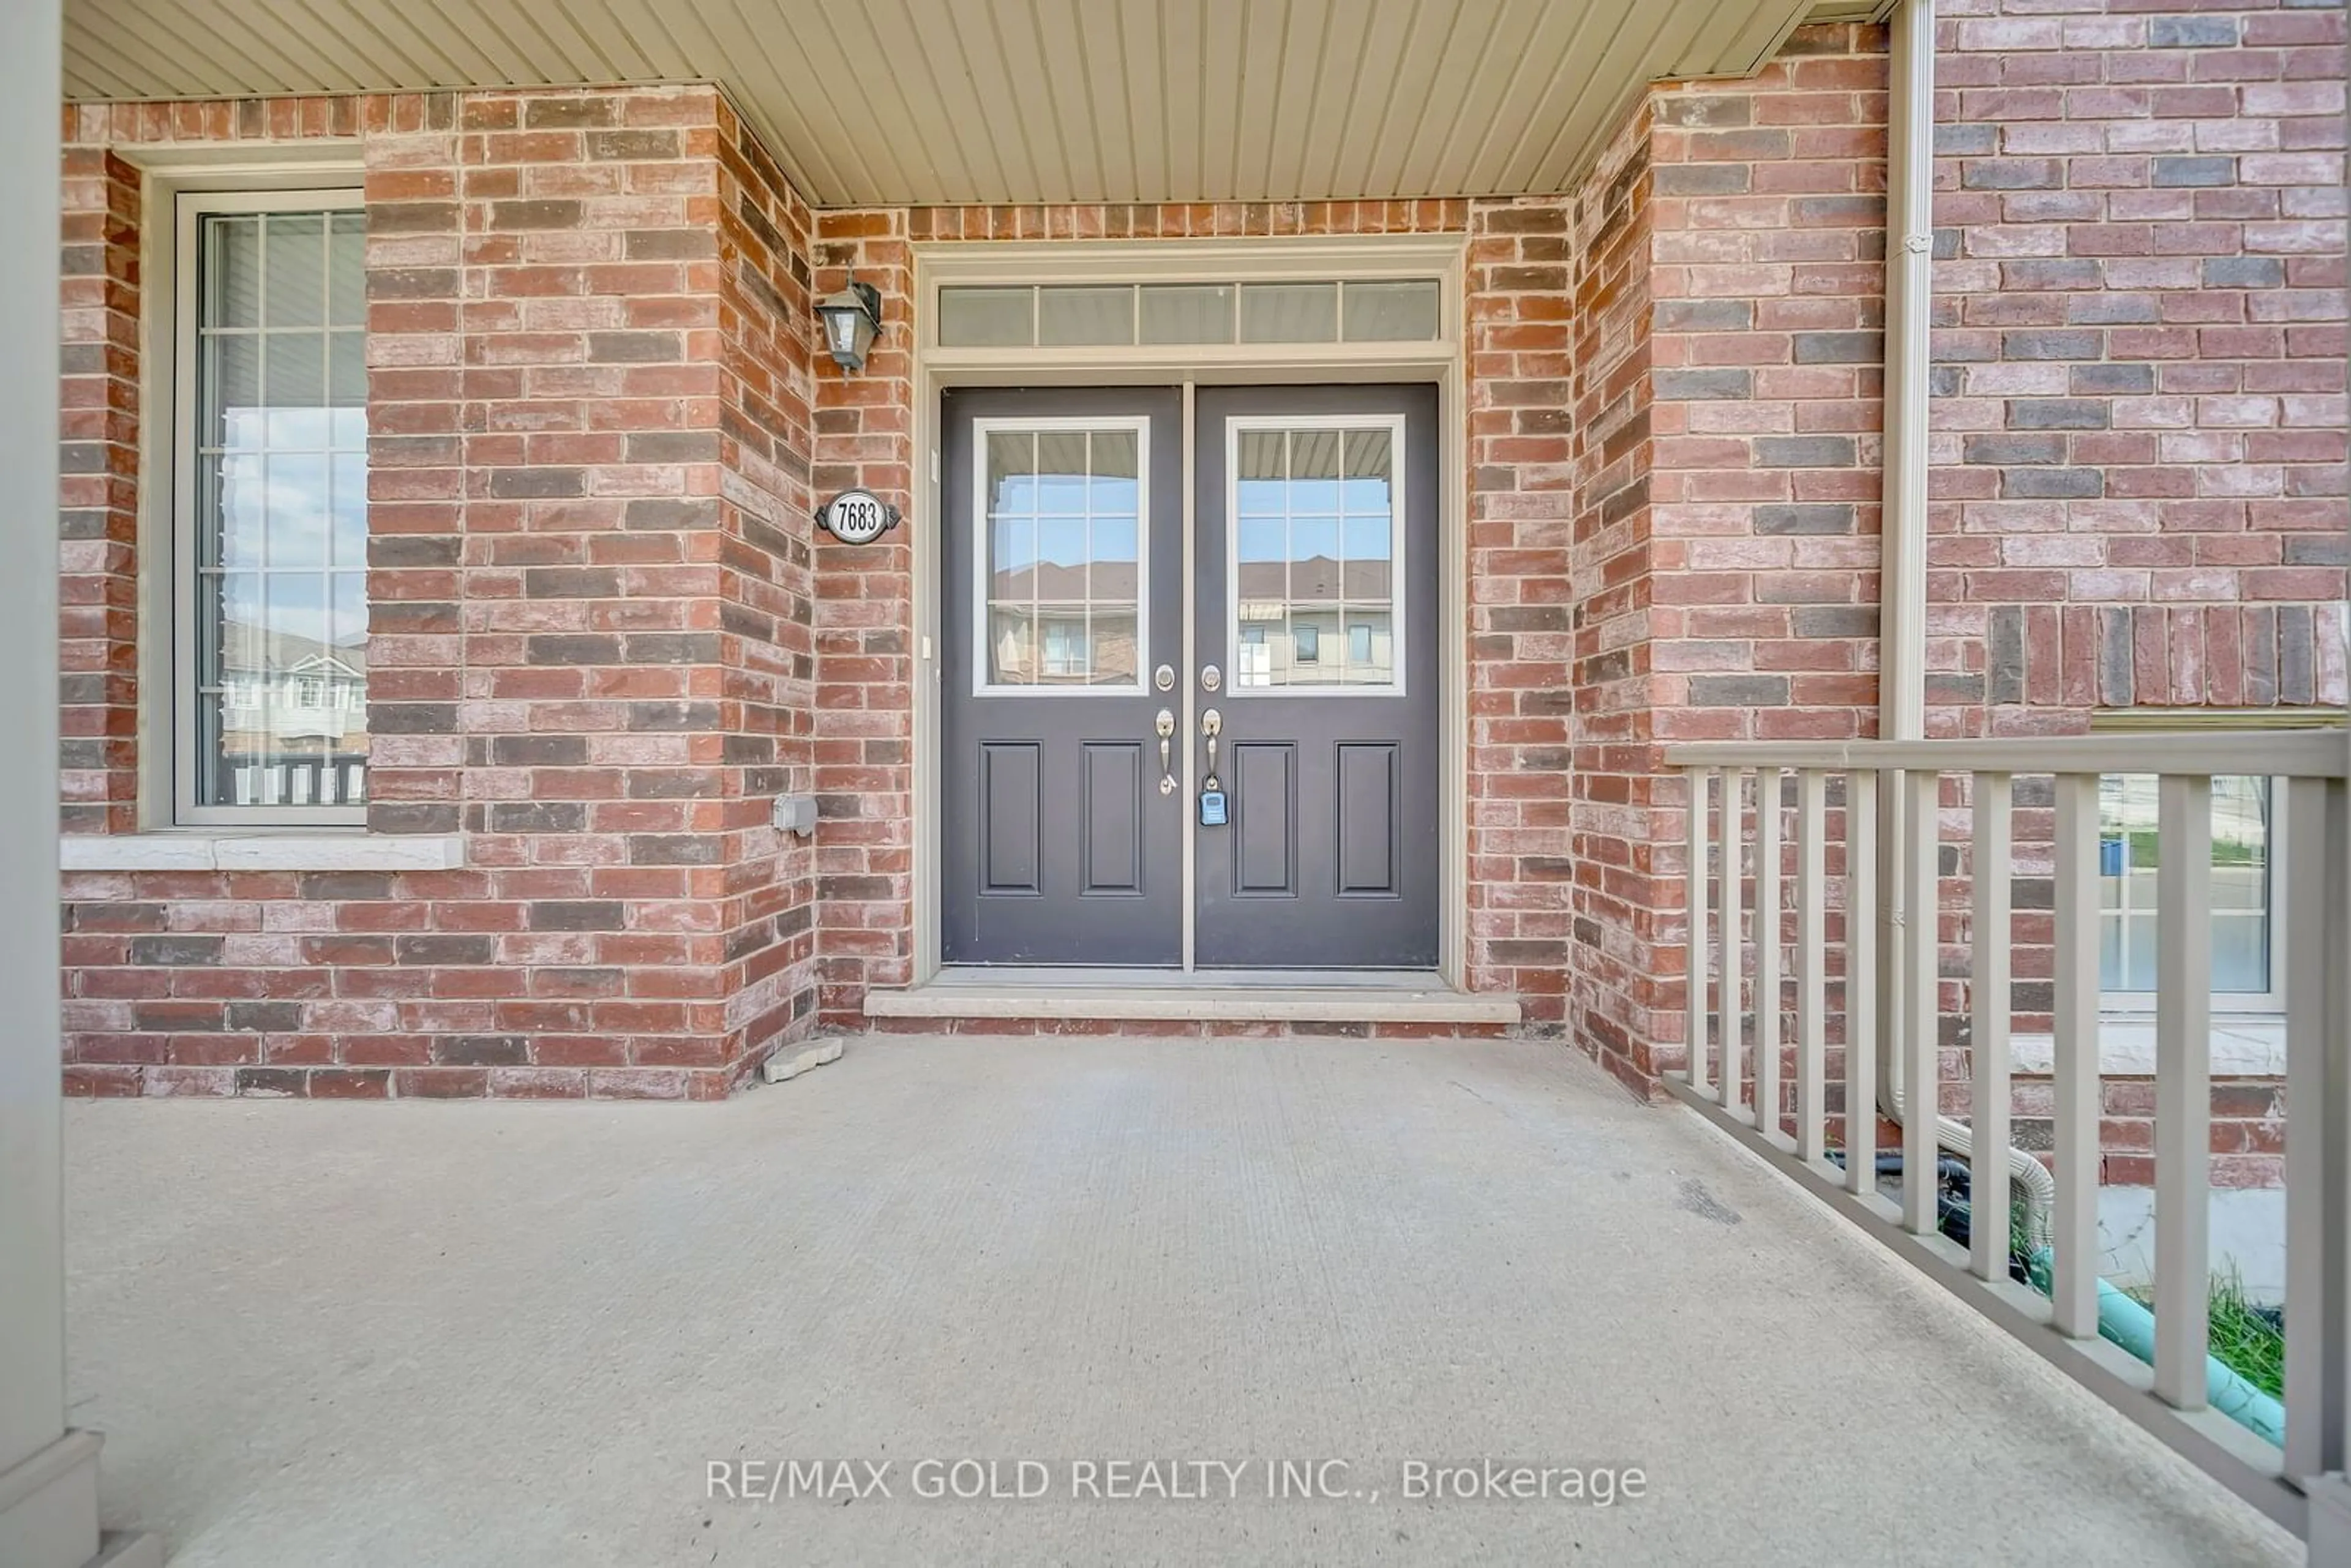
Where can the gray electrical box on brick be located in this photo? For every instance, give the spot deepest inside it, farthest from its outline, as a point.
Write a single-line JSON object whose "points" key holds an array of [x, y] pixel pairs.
{"points": [[796, 814]]}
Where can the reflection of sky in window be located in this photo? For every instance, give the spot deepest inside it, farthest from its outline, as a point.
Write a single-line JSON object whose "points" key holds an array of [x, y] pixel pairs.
{"points": [[291, 505], [1300, 518], [1064, 519], [303, 510]]}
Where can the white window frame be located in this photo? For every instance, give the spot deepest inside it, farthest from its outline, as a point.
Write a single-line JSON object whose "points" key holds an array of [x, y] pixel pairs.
{"points": [[181, 552], [1234, 427], [2228, 1004], [984, 539]]}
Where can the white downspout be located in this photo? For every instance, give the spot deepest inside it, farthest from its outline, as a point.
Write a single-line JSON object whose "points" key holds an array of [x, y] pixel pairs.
{"points": [[1902, 571]]}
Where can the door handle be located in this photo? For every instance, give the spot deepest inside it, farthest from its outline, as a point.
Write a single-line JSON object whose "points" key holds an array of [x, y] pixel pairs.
{"points": [[1166, 726], [1211, 723]]}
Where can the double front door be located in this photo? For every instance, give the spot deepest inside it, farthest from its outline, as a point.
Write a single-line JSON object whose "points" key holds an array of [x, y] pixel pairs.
{"points": [[1213, 704]]}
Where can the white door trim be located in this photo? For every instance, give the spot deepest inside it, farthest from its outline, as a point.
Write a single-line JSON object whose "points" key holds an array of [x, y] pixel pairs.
{"points": [[1441, 361]]}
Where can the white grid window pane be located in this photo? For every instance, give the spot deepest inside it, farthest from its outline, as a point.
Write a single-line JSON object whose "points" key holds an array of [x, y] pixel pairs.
{"points": [[1314, 549], [1064, 557], [2130, 857], [280, 549]]}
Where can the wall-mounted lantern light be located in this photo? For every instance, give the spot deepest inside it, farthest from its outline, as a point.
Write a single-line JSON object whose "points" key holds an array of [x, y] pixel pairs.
{"points": [[851, 320]]}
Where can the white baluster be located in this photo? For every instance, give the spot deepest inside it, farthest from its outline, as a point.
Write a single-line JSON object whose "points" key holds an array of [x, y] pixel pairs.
{"points": [[2318, 1132], [1767, 952], [2183, 1088], [1988, 990], [1732, 941], [1812, 960], [1917, 1036], [1694, 1013], [1861, 983], [2073, 1295]]}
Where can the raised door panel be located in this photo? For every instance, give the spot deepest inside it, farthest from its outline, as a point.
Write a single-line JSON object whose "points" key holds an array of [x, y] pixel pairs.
{"points": [[1113, 828], [1011, 852], [1264, 831], [1367, 820]]}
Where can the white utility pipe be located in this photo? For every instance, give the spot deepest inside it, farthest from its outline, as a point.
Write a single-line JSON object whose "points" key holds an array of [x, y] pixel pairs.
{"points": [[1902, 537]]}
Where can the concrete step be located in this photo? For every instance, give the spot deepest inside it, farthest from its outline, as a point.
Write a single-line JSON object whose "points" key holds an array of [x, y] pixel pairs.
{"points": [[1389, 1003]]}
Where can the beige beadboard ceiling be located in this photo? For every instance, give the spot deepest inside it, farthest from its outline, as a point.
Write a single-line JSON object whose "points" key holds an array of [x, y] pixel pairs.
{"points": [[887, 101]]}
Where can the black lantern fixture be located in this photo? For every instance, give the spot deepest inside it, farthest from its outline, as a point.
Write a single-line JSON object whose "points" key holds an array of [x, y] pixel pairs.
{"points": [[851, 320]]}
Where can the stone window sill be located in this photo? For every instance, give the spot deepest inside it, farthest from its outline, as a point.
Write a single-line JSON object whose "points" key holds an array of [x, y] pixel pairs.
{"points": [[2243, 1047], [262, 851]]}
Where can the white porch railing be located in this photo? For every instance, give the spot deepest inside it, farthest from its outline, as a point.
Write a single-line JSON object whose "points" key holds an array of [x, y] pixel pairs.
{"points": [[1767, 856]]}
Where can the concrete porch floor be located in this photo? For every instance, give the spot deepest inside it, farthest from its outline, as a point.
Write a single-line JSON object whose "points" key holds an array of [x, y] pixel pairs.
{"points": [[517, 1333]]}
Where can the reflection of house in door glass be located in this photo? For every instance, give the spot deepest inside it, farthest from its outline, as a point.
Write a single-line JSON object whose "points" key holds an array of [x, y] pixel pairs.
{"points": [[1314, 548], [1063, 544]]}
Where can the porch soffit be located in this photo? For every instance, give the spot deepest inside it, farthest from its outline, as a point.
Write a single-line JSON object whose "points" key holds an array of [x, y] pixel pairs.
{"points": [[881, 102]]}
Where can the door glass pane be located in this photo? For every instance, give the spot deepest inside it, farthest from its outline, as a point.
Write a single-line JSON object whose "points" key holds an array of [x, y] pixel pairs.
{"points": [[2242, 886], [1314, 542], [280, 546], [1064, 557]]}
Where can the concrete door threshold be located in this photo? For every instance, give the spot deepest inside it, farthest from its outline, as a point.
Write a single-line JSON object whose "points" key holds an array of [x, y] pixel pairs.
{"points": [[1233, 996]]}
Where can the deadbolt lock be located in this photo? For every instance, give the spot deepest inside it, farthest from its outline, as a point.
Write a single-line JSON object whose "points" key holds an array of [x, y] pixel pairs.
{"points": [[1210, 677]]}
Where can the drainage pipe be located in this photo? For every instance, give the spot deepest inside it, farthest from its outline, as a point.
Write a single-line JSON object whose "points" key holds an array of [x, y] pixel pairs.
{"points": [[2124, 1322], [1902, 537]]}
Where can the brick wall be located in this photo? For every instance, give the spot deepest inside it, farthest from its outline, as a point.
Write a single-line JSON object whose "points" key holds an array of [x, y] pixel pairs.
{"points": [[1728, 402], [1523, 530], [2138, 421], [865, 633], [588, 519], [98, 501], [1623, 957], [1521, 495], [605, 634], [2247, 1143]]}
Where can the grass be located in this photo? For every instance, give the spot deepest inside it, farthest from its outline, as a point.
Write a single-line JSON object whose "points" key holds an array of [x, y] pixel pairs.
{"points": [[2246, 1339]]}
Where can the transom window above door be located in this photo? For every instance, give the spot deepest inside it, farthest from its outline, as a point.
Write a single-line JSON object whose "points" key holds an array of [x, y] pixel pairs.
{"points": [[1316, 555], [1117, 315], [1062, 582]]}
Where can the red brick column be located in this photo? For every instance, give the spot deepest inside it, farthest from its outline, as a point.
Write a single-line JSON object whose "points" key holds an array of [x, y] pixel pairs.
{"points": [[1521, 517], [864, 618], [768, 644], [1728, 402], [99, 523], [1621, 963]]}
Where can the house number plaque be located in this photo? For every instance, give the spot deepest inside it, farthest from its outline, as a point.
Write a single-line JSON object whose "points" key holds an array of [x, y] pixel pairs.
{"points": [[857, 517]]}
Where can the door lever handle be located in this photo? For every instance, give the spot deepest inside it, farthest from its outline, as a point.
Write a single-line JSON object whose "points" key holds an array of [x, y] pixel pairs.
{"points": [[1166, 726]]}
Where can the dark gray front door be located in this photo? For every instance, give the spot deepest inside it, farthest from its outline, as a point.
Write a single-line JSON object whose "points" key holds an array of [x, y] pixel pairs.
{"points": [[1063, 596], [1314, 595]]}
